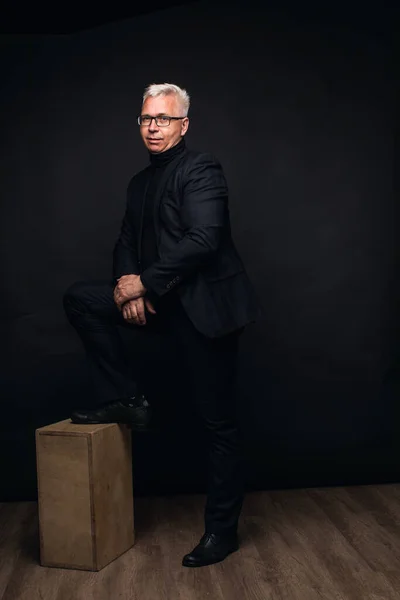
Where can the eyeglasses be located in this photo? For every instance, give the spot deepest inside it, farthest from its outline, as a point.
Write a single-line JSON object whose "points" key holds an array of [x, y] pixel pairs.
{"points": [[161, 120]]}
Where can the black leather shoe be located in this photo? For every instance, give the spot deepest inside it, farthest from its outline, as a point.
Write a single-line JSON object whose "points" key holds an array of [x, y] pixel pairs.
{"points": [[135, 412], [212, 548]]}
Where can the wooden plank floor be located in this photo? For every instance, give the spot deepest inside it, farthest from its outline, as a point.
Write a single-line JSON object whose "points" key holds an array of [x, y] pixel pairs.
{"points": [[318, 543]]}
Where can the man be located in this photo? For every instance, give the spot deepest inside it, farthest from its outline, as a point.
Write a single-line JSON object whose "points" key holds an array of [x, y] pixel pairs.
{"points": [[176, 271]]}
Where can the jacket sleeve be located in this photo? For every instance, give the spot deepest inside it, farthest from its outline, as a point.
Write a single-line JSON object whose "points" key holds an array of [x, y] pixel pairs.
{"points": [[125, 260], [203, 209]]}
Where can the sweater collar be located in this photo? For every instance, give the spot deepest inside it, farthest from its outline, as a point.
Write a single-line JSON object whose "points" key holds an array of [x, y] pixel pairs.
{"points": [[161, 159]]}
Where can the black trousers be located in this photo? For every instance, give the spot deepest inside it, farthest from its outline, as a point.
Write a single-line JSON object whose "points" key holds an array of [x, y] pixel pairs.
{"points": [[210, 363]]}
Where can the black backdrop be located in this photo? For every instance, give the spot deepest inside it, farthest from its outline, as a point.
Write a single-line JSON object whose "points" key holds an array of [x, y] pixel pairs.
{"points": [[300, 109]]}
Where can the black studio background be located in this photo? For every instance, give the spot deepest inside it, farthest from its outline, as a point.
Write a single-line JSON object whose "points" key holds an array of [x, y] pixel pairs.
{"points": [[299, 107]]}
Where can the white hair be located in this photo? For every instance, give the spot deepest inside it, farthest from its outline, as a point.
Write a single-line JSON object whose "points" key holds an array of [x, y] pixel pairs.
{"points": [[165, 89]]}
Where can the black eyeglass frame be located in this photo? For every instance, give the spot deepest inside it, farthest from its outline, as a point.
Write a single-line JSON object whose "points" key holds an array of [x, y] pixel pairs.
{"points": [[158, 117]]}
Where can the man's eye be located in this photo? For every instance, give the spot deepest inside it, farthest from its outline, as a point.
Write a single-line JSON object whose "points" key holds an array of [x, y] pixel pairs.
{"points": [[163, 119]]}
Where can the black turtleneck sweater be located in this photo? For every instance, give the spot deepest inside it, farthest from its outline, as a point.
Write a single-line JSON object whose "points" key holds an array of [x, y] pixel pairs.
{"points": [[158, 162]]}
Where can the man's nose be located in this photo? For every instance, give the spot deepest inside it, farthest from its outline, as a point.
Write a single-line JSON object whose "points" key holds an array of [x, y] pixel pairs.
{"points": [[153, 125]]}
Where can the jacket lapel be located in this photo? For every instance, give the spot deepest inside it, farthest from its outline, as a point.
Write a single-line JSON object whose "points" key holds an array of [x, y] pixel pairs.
{"points": [[160, 190]]}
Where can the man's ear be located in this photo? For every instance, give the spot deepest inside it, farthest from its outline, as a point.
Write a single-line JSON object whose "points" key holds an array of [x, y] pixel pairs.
{"points": [[185, 126]]}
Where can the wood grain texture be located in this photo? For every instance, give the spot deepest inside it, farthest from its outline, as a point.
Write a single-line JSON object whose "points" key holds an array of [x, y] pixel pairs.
{"points": [[320, 543], [85, 494]]}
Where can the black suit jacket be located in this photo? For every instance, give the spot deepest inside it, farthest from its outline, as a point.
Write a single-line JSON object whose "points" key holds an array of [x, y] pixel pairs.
{"points": [[197, 255]]}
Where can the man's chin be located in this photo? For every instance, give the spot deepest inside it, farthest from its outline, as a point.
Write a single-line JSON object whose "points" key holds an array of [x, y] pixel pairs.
{"points": [[155, 148]]}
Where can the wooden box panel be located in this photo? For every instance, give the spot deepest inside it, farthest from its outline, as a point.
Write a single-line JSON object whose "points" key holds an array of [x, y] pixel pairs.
{"points": [[85, 494]]}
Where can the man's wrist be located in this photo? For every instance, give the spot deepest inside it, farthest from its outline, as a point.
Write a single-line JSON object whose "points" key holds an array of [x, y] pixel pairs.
{"points": [[149, 293], [144, 288]]}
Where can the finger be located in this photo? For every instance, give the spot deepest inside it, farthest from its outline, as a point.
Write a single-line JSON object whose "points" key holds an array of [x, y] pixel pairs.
{"points": [[150, 307], [140, 313], [130, 314], [135, 313], [117, 299]]}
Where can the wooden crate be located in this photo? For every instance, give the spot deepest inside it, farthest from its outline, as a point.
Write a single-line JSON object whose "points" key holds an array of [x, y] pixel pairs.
{"points": [[85, 494]]}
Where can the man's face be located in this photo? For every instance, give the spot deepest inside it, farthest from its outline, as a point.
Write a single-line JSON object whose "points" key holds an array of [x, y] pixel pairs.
{"points": [[158, 139]]}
